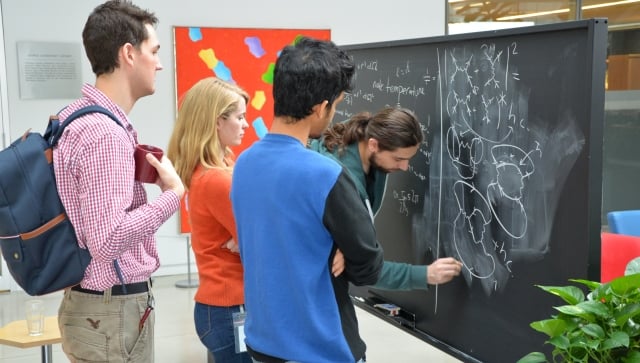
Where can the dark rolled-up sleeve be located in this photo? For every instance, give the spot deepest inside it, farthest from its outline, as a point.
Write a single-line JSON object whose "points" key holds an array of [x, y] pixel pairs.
{"points": [[349, 222]]}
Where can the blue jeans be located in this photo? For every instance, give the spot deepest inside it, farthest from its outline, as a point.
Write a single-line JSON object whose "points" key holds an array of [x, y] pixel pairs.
{"points": [[214, 326]]}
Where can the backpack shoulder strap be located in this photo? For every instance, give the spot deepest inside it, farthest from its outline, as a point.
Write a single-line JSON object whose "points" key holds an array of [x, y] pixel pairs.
{"points": [[79, 113]]}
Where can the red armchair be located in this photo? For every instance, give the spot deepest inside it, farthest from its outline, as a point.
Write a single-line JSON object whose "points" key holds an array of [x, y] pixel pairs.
{"points": [[616, 252]]}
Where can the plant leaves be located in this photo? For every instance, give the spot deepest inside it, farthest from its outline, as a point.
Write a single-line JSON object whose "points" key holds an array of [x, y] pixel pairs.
{"points": [[551, 327], [576, 310], [598, 327], [600, 292], [570, 294], [633, 267], [594, 307], [592, 344], [632, 357], [627, 312], [623, 285], [561, 342], [617, 339], [593, 330], [578, 352], [533, 357], [592, 285]]}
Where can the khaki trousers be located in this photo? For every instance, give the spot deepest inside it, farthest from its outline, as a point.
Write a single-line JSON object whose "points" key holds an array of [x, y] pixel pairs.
{"points": [[104, 328]]}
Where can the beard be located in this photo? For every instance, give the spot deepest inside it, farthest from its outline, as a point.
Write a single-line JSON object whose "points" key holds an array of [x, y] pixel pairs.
{"points": [[373, 164], [318, 129]]}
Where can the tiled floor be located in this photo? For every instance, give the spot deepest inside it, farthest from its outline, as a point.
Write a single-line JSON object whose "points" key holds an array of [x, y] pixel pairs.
{"points": [[176, 342]]}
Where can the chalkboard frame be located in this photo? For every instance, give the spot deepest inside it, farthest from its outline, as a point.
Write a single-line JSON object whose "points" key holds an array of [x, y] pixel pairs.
{"points": [[595, 31]]}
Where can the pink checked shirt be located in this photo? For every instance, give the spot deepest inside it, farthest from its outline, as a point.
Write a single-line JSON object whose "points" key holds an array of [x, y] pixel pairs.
{"points": [[94, 170]]}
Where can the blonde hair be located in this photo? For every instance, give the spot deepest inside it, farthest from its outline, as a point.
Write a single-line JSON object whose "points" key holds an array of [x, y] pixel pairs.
{"points": [[194, 140]]}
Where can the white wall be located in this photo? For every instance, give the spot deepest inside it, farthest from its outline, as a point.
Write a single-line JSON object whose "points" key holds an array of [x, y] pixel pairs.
{"points": [[350, 21]]}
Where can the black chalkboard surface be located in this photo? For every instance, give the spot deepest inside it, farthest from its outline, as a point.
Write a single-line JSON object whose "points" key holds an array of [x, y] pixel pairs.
{"points": [[508, 179]]}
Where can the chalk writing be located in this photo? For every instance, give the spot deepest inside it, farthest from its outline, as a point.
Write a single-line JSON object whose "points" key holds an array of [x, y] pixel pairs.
{"points": [[481, 160], [491, 155], [405, 197]]}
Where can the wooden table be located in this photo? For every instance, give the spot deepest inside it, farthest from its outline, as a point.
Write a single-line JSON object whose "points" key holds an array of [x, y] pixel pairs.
{"points": [[15, 334]]}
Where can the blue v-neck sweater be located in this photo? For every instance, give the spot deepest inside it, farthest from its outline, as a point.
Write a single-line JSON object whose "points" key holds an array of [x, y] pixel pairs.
{"points": [[292, 208]]}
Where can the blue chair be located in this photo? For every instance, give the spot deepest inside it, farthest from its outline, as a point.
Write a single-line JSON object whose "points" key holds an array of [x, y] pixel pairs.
{"points": [[624, 222]]}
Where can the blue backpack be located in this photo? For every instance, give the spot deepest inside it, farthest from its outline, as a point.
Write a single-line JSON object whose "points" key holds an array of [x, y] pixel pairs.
{"points": [[37, 239]]}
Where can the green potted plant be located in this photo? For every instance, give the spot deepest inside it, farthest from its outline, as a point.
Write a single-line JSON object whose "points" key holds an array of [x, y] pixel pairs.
{"points": [[601, 326]]}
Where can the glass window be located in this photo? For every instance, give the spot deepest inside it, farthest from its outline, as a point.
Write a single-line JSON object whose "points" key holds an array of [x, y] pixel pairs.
{"points": [[510, 12], [620, 13], [621, 159]]}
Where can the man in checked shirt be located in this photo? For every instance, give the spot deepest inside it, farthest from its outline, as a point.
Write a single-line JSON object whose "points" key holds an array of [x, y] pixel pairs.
{"points": [[109, 316]]}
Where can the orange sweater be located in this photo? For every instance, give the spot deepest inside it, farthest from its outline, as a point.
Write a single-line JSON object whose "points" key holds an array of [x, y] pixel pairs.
{"points": [[212, 225]]}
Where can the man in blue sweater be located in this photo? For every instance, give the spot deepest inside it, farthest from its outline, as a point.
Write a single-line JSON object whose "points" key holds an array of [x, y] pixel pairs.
{"points": [[293, 207]]}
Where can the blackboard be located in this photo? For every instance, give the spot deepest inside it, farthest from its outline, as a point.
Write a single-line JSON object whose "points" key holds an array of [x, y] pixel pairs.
{"points": [[508, 179]]}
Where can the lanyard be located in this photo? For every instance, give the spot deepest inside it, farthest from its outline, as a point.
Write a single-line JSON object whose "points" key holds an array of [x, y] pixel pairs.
{"points": [[368, 204]]}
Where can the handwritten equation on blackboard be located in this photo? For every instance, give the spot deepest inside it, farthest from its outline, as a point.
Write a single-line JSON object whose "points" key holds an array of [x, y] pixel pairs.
{"points": [[485, 183]]}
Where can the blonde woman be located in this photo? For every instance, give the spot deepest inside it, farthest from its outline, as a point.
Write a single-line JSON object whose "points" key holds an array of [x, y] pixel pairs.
{"points": [[211, 119]]}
